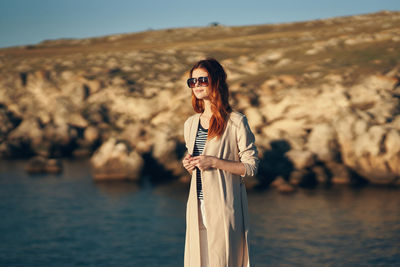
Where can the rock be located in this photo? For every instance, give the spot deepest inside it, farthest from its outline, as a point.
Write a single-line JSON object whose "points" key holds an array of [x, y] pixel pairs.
{"points": [[144, 146], [296, 176], [75, 92], [284, 128], [138, 108], [373, 154], [278, 83], [93, 85], [286, 188], [301, 159], [274, 110], [369, 143], [340, 173], [40, 164], [334, 78], [254, 117], [9, 121], [91, 134], [396, 122], [251, 68], [243, 100], [287, 80], [283, 62], [58, 139], [322, 141], [82, 152], [312, 51], [76, 120], [24, 139], [340, 180], [270, 85], [53, 166], [134, 133], [115, 161], [392, 147], [308, 179], [270, 56], [165, 149], [283, 186], [323, 175], [68, 104]]}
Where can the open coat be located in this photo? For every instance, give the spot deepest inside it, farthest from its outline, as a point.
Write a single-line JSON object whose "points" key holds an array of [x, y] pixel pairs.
{"points": [[225, 197]]}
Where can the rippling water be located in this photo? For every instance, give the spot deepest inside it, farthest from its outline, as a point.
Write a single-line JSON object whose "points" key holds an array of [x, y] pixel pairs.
{"points": [[68, 220]]}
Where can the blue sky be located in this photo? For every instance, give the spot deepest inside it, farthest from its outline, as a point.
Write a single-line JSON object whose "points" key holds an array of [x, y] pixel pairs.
{"points": [[31, 21]]}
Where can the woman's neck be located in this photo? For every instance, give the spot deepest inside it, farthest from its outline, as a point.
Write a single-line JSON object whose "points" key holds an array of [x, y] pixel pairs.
{"points": [[207, 108]]}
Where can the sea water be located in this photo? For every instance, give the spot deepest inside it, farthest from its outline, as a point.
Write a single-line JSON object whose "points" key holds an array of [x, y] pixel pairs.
{"points": [[70, 220]]}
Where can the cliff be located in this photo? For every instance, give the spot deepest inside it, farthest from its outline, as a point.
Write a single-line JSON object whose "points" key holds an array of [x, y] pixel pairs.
{"points": [[321, 96]]}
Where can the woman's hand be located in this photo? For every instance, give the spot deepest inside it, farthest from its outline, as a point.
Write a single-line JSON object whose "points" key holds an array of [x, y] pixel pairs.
{"points": [[203, 162], [187, 164], [207, 162]]}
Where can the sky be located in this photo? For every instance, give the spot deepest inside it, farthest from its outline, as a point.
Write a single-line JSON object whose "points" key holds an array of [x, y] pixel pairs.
{"points": [[25, 22]]}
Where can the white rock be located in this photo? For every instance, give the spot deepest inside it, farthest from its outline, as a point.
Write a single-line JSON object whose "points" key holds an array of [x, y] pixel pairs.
{"points": [[254, 117], [301, 159], [322, 142]]}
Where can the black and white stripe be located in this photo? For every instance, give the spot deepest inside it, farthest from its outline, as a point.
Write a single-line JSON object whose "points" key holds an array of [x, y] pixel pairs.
{"points": [[199, 144]]}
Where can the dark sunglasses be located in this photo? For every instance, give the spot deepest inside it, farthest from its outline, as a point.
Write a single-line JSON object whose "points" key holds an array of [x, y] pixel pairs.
{"points": [[203, 81]]}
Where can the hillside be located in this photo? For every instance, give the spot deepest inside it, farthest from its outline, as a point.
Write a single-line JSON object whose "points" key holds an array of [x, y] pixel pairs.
{"points": [[322, 97]]}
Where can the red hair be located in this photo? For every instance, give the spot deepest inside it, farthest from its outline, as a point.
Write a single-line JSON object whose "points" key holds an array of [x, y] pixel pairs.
{"points": [[218, 94]]}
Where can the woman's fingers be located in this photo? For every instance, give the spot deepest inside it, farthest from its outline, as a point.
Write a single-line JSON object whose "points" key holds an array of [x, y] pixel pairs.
{"points": [[186, 158], [198, 162], [194, 162], [191, 168], [187, 164], [202, 162]]}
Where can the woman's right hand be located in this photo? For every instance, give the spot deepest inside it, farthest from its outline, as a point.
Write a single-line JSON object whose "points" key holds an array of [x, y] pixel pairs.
{"points": [[186, 163]]}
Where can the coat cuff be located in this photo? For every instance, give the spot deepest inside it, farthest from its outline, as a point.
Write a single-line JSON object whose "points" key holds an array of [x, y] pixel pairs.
{"points": [[249, 170]]}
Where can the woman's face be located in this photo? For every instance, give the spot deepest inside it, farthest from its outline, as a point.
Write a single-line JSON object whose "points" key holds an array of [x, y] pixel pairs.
{"points": [[201, 92]]}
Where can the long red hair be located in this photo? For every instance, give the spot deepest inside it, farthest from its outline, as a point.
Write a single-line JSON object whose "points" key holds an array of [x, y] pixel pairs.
{"points": [[218, 94]]}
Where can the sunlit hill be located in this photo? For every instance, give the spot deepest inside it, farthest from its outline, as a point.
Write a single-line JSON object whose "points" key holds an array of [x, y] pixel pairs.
{"points": [[322, 98]]}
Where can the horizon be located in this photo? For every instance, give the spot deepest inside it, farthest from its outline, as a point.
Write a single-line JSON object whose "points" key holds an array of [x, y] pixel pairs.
{"points": [[34, 22], [197, 26]]}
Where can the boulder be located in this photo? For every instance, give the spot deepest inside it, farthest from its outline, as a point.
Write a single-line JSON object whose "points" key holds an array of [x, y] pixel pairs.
{"points": [[25, 139], [39, 164], [285, 128], [91, 134], [374, 154], [322, 141], [165, 151], [114, 160], [301, 159], [283, 186], [254, 117]]}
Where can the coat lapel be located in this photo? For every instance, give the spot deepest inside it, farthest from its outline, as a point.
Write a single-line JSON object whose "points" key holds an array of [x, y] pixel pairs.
{"points": [[193, 131]]}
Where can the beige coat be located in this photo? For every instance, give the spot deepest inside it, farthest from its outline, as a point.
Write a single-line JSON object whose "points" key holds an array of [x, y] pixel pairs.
{"points": [[225, 197]]}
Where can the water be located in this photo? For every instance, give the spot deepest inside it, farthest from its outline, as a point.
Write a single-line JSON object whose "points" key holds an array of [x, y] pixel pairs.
{"points": [[69, 220]]}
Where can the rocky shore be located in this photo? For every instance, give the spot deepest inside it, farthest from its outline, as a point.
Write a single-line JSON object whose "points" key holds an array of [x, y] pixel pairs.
{"points": [[322, 98]]}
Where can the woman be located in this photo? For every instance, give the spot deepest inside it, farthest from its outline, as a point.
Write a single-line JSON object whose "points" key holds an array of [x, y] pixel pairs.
{"points": [[221, 152]]}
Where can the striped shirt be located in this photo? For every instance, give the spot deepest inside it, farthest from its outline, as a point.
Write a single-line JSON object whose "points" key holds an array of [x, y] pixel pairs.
{"points": [[199, 144]]}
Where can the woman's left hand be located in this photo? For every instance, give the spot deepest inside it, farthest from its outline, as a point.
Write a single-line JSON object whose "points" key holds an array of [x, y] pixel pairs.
{"points": [[203, 162]]}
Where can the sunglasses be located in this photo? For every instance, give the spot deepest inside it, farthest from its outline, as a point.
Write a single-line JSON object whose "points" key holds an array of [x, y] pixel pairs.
{"points": [[203, 81]]}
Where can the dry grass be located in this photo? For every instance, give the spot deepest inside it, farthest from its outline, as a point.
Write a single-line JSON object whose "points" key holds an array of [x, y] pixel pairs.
{"points": [[182, 47]]}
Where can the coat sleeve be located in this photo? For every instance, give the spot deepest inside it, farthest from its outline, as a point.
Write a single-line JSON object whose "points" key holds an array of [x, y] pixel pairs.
{"points": [[248, 153]]}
